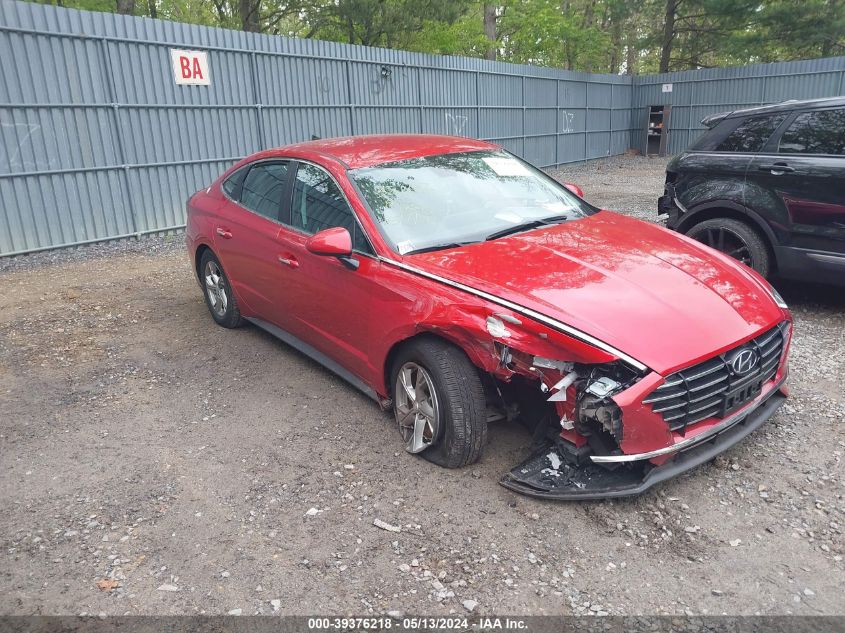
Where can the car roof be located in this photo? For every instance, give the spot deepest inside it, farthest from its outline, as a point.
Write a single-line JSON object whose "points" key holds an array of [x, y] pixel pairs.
{"points": [[784, 106], [375, 149]]}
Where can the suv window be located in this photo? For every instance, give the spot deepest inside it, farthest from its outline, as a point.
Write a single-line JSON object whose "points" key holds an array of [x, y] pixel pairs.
{"points": [[751, 134], [319, 204], [820, 132], [262, 189]]}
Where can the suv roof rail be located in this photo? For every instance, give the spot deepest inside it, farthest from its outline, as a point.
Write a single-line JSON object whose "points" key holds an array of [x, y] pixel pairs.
{"points": [[711, 120]]}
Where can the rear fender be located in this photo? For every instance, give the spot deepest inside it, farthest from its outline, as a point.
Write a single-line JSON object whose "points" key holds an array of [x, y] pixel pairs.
{"points": [[716, 208]]}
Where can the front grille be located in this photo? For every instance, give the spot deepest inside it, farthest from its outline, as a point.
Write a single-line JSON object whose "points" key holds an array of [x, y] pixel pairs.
{"points": [[699, 392]]}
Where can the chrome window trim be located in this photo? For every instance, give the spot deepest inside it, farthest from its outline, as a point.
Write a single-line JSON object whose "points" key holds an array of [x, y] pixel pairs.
{"points": [[533, 314], [289, 160], [247, 167]]}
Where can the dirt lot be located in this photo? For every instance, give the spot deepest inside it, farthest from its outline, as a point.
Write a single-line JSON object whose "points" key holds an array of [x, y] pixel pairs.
{"points": [[175, 463]]}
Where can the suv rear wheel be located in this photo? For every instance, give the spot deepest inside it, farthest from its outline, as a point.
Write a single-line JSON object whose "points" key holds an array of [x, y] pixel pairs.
{"points": [[734, 238]]}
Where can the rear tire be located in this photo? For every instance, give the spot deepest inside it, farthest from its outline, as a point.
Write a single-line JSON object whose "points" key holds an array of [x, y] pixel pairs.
{"points": [[734, 238], [217, 291], [451, 417]]}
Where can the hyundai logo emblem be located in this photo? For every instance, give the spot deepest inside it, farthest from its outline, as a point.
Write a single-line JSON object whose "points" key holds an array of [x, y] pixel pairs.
{"points": [[743, 362]]}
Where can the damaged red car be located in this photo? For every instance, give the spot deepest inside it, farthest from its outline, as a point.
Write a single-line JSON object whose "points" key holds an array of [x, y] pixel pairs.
{"points": [[458, 285]]}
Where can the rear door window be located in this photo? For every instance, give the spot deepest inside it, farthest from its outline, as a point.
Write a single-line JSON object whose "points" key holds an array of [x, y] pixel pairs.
{"points": [[751, 134], [262, 188], [820, 132]]}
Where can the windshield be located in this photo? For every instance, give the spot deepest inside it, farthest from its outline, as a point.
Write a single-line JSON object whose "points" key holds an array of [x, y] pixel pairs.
{"points": [[452, 199]]}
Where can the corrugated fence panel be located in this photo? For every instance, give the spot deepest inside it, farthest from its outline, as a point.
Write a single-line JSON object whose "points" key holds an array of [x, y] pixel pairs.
{"points": [[97, 141], [696, 94]]}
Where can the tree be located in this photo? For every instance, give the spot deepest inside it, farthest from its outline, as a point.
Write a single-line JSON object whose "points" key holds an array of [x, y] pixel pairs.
{"points": [[668, 34], [793, 29], [490, 30], [614, 36]]}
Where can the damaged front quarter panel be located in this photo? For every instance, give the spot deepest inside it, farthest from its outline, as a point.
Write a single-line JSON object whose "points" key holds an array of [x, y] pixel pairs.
{"points": [[505, 344], [591, 403]]}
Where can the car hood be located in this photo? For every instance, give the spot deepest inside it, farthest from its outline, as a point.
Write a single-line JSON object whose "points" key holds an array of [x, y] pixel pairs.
{"points": [[653, 294]]}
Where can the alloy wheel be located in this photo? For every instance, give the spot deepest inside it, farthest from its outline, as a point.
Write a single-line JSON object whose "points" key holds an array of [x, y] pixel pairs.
{"points": [[727, 242], [215, 288], [417, 409]]}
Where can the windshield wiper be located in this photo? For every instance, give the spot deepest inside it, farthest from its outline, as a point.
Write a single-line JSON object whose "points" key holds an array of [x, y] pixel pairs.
{"points": [[526, 226], [436, 247]]}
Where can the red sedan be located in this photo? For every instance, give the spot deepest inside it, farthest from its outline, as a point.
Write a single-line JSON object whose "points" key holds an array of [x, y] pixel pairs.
{"points": [[456, 285]]}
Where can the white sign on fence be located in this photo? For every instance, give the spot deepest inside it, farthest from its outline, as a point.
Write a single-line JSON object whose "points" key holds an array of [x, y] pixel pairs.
{"points": [[190, 68], [667, 87]]}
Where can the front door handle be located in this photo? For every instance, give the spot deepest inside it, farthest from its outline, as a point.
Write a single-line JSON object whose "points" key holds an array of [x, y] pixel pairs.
{"points": [[289, 261], [224, 233], [777, 169]]}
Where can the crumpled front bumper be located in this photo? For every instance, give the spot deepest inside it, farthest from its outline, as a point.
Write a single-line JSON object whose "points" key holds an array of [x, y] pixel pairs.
{"points": [[668, 205], [538, 477]]}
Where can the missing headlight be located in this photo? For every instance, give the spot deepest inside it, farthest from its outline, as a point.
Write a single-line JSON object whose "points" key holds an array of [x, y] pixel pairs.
{"points": [[598, 412]]}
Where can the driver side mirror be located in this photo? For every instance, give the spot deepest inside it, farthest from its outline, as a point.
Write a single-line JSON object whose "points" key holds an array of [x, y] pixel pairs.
{"points": [[574, 189], [334, 242]]}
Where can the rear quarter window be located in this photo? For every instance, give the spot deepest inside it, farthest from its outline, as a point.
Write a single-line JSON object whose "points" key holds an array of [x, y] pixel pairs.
{"points": [[710, 139], [751, 135], [232, 185]]}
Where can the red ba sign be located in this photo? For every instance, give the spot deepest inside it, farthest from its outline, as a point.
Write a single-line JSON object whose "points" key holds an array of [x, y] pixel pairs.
{"points": [[190, 68]]}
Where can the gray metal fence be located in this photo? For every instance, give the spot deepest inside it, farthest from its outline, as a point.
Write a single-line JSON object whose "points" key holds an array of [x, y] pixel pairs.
{"points": [[98, 142], [697, 93]]}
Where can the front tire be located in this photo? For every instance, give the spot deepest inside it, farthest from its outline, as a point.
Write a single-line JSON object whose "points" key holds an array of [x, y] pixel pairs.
{"points": [[734, 238], [217, 290], [439, 403]]}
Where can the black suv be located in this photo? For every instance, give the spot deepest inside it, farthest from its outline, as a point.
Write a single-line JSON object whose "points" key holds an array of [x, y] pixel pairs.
{"points": [[767, 186]]}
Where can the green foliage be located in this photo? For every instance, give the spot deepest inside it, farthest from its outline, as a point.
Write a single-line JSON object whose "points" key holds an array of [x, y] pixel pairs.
{"points": [[587, 35]]}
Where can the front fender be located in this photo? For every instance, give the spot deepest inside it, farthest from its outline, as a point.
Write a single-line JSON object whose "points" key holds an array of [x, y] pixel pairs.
{"points": [[414, 305]]}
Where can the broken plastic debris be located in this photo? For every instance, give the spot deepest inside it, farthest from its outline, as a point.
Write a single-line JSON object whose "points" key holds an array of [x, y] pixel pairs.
{"points": [[548, 363], [562, 385], [386, 526], [566, 424]]}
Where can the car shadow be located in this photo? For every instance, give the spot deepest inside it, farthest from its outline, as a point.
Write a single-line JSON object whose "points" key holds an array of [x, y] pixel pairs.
{"points": [[805, 294]]}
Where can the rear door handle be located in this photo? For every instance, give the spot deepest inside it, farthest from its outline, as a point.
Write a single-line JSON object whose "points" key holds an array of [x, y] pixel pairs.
{"points": [[777, 168], [289, 261], [224, 233]]}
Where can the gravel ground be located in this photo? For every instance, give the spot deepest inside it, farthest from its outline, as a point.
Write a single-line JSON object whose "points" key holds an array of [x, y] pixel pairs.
{"points": [[154, 463], [628, 184]]}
